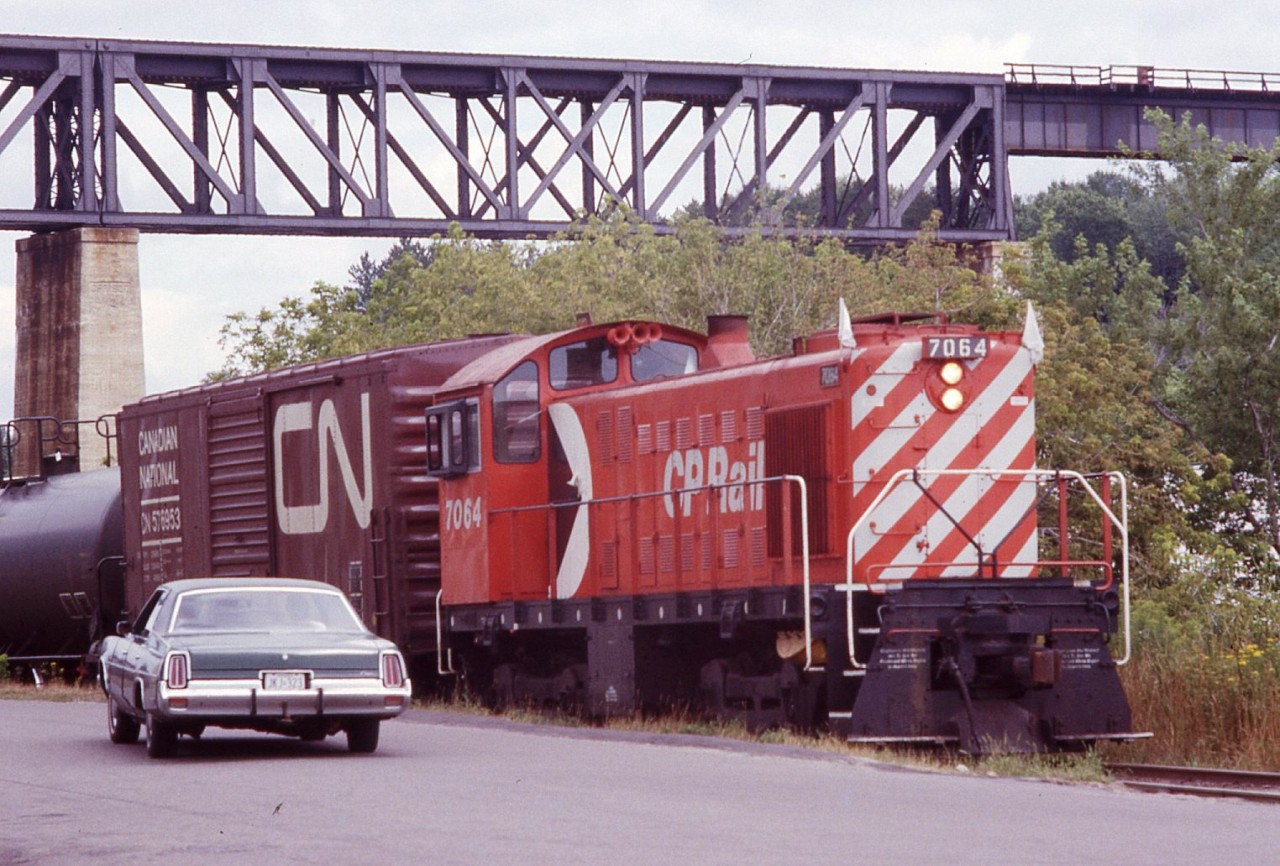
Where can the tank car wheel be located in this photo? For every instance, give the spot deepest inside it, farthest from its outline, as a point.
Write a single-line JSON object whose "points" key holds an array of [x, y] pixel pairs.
{"points": [[362, 735], [121, 727], [162, 738]]}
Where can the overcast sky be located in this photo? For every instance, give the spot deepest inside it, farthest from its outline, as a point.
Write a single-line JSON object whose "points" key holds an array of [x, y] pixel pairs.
{"points": [[191, 283]]}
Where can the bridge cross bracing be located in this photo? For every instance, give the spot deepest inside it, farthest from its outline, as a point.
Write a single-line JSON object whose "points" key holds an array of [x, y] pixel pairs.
{"points": [[254, 139], [237, 138]]}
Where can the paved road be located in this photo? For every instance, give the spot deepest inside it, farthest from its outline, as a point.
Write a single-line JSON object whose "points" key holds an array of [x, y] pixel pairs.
{"points": [[447, 788]]}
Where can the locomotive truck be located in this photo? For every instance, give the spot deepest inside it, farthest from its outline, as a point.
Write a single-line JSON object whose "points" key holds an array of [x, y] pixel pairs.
{"points": [[632, 516]]}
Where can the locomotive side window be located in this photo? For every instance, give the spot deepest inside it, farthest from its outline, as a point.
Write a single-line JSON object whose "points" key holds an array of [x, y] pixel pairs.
{"points": [[577, 365], [662, 359], [516, 412], [453, 438]]}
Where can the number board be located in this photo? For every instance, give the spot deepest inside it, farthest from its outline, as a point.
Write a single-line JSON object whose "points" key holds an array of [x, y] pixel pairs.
{"points": [[955, 348]]}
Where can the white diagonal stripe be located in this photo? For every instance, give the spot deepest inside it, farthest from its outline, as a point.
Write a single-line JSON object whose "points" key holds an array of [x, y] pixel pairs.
{"points": [[861, 408], [944, 452]]}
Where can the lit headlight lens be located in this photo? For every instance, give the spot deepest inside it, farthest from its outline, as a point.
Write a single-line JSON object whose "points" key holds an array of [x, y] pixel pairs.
{"points": [[952, 372], [952, 399]]}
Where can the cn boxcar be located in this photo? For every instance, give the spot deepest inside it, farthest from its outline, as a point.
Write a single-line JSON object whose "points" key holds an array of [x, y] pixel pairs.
{"points": [[636, 515]]}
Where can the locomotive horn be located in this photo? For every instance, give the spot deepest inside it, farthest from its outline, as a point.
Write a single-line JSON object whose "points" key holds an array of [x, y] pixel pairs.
{"points": [[620, 335], [641, 333]]}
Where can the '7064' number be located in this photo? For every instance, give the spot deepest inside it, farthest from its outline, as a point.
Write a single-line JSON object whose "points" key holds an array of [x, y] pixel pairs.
{"points": [[955, 348], [462, 514]]}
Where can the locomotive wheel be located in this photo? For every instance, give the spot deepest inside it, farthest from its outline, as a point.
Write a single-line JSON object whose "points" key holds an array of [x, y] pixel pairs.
{"points": [[362, 735], [121, 727], [162, 738]]}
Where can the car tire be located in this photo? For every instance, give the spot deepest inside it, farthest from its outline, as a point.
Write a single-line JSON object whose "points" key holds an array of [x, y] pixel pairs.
{"points": [[162, 737], [121, 727], [362, 735]]}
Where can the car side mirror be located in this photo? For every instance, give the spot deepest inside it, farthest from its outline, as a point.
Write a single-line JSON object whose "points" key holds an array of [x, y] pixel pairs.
{"points": [[123, 627]]}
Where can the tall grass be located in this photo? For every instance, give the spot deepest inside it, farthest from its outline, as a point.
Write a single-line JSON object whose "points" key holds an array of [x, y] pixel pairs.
{"points": [[1206, 683]]}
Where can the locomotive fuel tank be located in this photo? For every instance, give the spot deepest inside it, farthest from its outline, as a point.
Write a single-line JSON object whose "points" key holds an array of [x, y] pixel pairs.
{"points": [[61, 570]]}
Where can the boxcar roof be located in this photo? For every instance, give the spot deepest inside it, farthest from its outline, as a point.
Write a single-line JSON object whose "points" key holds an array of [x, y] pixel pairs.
{"points": [[449, 355]]}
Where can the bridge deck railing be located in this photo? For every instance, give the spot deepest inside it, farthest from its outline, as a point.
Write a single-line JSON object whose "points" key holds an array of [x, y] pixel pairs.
{"points": [[1041, 74]]}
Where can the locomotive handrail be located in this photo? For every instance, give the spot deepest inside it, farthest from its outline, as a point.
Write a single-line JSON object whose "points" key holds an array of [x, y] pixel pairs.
{"points": [[1121, 523]]}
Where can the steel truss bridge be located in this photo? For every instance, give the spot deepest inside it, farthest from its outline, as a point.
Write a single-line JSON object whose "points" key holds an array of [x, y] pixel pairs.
{"points": [[174, 137]]}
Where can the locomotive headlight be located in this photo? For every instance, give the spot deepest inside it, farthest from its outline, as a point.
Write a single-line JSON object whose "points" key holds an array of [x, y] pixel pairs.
{"points": [[952, 399], [951, 373]]}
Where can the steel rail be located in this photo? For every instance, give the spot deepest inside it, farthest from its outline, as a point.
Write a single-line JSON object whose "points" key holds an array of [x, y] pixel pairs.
{"points": [[1198, 781]]}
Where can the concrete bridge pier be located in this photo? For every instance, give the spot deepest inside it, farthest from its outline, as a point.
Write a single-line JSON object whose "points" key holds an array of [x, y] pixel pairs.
{"points": [[79, 341]]}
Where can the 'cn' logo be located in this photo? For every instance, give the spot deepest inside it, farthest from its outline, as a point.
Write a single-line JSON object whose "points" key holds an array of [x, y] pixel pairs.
{"points": [[294, 418]]}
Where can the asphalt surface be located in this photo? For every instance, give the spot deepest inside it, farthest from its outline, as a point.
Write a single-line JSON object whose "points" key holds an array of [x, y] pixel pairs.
{"points": [[449, 788]]}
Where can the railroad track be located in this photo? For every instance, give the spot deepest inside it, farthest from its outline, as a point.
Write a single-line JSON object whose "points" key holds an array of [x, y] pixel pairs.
{"points": [[1199, 781]]}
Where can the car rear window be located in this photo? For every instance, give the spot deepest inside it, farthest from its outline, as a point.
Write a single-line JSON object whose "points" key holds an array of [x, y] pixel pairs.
{"points": [[263, 609]]}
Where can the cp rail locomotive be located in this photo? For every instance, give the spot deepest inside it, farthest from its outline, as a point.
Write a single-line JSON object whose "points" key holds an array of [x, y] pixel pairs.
{"points": [[633, 515]]}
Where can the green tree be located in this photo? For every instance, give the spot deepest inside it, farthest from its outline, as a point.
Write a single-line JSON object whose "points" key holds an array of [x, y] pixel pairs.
{"points": [[1106, 208], [1221, 354], [1098, 394]]}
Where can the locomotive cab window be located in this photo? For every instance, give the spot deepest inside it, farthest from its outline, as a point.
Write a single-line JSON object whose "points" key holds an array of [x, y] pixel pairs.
{"points": [[453, 438], [663, 359], [517, 430], [578, 365]]}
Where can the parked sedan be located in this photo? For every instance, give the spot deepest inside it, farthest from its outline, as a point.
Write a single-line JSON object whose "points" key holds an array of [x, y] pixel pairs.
{"points": [[267, 654]]}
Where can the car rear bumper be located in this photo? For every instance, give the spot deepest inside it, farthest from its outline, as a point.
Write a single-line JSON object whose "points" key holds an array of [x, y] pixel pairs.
{"points": [[247, 699]]}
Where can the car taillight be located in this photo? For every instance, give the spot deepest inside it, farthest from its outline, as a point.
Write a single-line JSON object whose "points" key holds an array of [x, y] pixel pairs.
{"points": [[179, 670], [392, 670]]}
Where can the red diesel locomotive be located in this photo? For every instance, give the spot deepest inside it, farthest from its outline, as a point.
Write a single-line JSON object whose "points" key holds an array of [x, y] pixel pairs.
{"points": [[634, 515]]}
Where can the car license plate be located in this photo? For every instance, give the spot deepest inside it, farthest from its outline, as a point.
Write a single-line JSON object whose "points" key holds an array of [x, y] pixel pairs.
{"points": [[283, 680]]}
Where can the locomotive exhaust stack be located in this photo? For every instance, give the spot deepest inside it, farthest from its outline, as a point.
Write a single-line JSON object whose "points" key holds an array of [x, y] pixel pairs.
{"points": [[728, 342]]}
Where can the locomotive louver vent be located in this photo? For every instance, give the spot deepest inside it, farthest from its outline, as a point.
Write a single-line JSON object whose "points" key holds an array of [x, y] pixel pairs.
{"points": [[625, 444], [604, 431], [644, 438], [609, 564], [688, 552], [684, 433], [646, 554], [796, 444], [667, 554], [664, 436], [729, 548], [706, 430], [728, 426], [758, 546], [755, 423]]}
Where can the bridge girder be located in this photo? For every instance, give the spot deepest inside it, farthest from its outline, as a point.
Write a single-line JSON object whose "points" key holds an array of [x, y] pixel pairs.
{"points": [[178, 137]]}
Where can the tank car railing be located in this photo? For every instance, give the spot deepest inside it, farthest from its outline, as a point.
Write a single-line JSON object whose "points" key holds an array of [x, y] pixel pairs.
{"points": [[54, 439], [1111, 520]]}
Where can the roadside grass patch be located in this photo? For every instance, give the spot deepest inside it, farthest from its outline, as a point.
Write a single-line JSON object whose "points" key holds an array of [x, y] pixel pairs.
{"points": [[51, 691]]}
